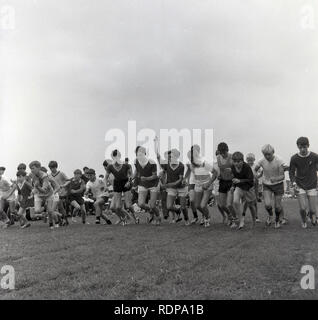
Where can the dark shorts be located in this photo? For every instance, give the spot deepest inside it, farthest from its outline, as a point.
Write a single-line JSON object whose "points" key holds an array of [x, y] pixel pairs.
{"points": [[78, 199], [27, 203], [225, 186], [105, 198], [119, 186], [277, 189]]}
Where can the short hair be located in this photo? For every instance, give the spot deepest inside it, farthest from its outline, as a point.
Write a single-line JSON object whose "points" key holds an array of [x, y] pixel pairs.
{"points": [[195, 147], [101, 176], [140, 147], [223, 147], [2, 169], [127, 159], [175, 152], [21, 173], [35, 163], [238, 156], [85, 168], [78, 171], [250, 156], [53, 164], [302, 141], [115, 153], [268, 149], [22, 166], [43, 169], [105, 163], [91, 171]]}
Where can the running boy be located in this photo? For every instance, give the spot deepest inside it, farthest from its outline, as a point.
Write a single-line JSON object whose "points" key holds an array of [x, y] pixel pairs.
{"points": [[303, 175], [224, 162], [122, 173], [250, 160], [4, 190], [189, 180], [60, 179], [174, 184], [25, 197], [43, 192], [147, 179], [243, 187], [98, 189], [204, 175], [77, 188], [273, 183]]}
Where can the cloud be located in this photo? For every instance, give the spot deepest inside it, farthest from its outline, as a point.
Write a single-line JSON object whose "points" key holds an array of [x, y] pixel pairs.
{"points": [[75, 69]]}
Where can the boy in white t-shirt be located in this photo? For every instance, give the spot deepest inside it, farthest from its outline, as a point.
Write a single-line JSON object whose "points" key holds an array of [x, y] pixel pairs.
{"points": [[98, 188], [273, 182]]}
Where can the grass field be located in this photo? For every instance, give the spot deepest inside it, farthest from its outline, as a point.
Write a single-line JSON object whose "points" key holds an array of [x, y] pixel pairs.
{"points": [[166, 262]]}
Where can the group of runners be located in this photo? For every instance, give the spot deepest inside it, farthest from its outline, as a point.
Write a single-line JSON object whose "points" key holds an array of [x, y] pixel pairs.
{"points": [[164, 188]]}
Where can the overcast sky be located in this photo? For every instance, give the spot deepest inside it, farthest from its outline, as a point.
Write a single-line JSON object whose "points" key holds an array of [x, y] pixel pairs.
{"points": [[72, 70]]}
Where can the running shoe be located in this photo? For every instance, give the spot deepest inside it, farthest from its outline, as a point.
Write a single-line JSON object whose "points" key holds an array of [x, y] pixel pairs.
{"points": [[194, 220], [179, 218], [284, 221], [269, 221], [26, 225], [233, 225]]}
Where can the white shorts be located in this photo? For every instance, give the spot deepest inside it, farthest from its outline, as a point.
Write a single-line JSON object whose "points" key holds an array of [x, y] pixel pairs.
{"points": [[153, 189], [37, 198], [215, 192], [56, 197], [248, 195], [11, 198], [181, 192], [199, 188], [310, 193], [216, 185]]}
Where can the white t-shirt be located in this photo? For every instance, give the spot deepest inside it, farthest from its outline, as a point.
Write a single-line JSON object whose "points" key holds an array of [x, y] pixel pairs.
{"points": [[203, 173], [271, 169], [5, 189], [4, 185], [98, 188]]}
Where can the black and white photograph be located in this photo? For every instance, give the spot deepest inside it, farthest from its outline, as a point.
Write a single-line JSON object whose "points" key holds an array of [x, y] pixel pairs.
{"points": [[158, 150]]}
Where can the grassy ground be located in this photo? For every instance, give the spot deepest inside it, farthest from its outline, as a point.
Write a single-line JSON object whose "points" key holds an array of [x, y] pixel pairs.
{"points": [[166, 262]]}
